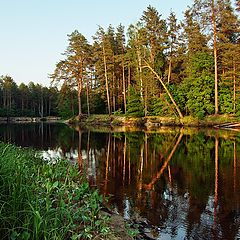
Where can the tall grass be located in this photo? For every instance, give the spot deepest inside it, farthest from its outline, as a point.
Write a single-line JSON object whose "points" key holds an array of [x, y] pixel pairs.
{"points": [[39, 200]]}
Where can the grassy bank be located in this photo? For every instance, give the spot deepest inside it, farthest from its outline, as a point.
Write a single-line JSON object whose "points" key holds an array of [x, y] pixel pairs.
{"points": [[39, 200], [152, 121]]}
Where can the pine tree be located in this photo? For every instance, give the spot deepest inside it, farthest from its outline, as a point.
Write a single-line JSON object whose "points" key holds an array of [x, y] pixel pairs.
{"points": [[228, 30], [195, 40], [121, 51], [135, 106], [155, 33], [73, 70], [173, 45], [205, 13], [136, 44], [104, 65]]}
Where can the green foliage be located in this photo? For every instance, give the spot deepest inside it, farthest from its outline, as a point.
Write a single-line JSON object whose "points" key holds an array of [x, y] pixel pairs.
{"points": [[159, 63], [39, 200], [198, 88], [118, 112], [97, 104], [197, 165], [66, 110], [135, 105], [200, 97], [132, 230], [225, 100], [238, 107], [159, 107], [201, 63]]}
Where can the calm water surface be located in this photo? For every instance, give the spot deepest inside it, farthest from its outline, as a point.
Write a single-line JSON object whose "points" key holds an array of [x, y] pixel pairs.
{"points": [[183, 182]]}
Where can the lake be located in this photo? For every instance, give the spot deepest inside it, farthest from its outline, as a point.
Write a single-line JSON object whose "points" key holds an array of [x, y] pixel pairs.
{"points": [[181, 183]]}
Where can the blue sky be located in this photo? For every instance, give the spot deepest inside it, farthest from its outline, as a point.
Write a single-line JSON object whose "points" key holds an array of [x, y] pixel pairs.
{"points": [[34, 32]]}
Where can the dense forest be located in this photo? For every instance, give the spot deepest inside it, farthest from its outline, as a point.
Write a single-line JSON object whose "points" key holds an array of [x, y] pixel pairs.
{"points": [[156, 67], [30, 100]]}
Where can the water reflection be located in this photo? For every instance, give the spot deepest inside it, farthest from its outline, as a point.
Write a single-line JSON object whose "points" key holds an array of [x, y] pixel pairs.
{"points": [[183, 182]]}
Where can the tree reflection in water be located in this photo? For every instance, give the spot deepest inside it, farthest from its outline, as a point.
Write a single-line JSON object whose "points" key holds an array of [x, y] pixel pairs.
{"points": [[174, 180], [183, 181]]}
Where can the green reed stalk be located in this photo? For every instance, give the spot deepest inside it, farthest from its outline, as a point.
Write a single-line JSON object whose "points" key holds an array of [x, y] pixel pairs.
{"points": [[39, 200]]}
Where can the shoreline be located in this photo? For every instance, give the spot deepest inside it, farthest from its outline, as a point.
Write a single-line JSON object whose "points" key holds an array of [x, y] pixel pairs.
{"points": [[28, 119], [153, 122]]}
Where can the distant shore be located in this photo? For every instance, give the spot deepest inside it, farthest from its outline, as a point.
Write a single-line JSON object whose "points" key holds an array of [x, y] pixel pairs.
{"points": [[28, 119]]}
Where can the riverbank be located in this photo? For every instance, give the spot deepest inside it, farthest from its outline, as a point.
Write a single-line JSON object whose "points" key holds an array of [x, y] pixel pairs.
{"points": [[153, 121], [40, 200]]}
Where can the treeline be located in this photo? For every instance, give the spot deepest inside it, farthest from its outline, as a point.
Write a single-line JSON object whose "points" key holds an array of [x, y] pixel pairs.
{"points": [[35, 100], [32, 100], [159, 66]]}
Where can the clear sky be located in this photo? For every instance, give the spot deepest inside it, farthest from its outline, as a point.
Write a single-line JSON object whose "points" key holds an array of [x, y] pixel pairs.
{"points": [[34, 32]]}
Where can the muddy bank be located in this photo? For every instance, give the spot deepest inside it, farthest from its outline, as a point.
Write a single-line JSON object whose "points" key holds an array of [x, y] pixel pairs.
{"points": [[135, 228]]}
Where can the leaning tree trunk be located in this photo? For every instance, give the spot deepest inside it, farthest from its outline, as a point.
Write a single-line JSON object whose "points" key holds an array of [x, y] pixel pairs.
{"points": [[166, 89]]}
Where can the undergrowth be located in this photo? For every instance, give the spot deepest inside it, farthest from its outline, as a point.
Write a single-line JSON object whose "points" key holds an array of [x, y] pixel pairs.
{"points": [[39, 200]]}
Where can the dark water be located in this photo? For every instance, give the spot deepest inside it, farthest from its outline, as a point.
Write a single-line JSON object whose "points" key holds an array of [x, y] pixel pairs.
{"points": [[183, 182]]}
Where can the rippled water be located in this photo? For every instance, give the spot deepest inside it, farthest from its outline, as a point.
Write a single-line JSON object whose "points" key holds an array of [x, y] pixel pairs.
{"points": [[185, 183]]}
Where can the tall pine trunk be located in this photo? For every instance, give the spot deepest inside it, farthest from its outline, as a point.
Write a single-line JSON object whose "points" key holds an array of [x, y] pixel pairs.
{"points": [[215, 53], [129, 79], [234, 87], [79, 99], [124, 86], [88, 106], [169, 70], [106, 80], [140, 72]]}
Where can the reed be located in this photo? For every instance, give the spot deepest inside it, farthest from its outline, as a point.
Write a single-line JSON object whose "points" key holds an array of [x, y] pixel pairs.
{"points": [[39, 200]]}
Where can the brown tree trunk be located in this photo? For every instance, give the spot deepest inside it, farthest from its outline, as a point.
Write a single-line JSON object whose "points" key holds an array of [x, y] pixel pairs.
{"points": [[88, 106], [124, 86], [106, 80], [215, 53], [80, 163], [234, 87], [129, 79], [140, 72], [145, 101], [234, 166], [79, 98], [169, 70]]}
